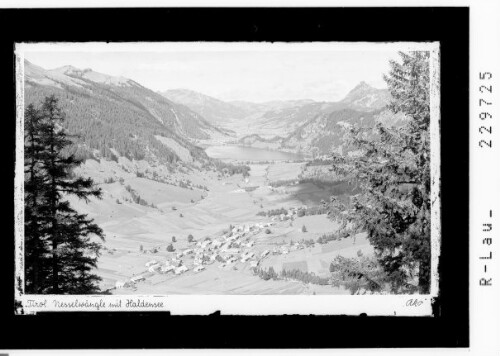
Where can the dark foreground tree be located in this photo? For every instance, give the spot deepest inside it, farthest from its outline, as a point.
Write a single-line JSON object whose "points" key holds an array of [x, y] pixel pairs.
{"points": [[62, 246], [37, 251], [392, 165]]}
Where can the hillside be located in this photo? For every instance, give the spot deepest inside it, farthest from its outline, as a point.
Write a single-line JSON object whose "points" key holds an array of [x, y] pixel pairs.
{"points": [[361, 98], [115, 116], [316, 127], [212, 109], [325, 131], [321, 131]]}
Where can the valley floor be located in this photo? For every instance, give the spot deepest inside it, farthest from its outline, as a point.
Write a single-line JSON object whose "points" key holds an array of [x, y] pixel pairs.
{"points": [[137, 235]]}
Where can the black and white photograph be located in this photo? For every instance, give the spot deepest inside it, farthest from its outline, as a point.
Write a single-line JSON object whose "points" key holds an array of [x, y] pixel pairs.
{"points": [[277, 169], [256, 178]]}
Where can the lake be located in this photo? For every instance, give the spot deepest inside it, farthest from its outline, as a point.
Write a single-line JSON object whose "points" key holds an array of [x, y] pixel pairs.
{"points": [[243, 153]]}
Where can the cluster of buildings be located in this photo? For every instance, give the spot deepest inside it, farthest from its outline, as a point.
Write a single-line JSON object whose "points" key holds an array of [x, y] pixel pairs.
{"points": [[233, 246], [291, 214]]}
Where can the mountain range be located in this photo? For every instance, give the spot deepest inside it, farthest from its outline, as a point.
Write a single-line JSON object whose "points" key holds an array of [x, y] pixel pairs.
{"points": [[363, 97], [116, 116], [317, 126], [218, 111]]}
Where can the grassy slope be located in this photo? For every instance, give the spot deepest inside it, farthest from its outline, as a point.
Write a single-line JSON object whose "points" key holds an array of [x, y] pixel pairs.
{"points": [[130, 225]]}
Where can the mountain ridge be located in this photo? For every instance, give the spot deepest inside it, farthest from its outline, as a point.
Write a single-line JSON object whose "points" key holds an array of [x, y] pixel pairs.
{"points": [[115, 114], [362, 97]]}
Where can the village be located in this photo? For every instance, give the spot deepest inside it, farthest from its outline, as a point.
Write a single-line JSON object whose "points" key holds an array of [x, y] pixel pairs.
{"points": [[238, 246]]}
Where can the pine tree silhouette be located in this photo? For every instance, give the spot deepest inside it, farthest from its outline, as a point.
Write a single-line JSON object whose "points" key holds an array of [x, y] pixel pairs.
{"points": [[62, 246]]}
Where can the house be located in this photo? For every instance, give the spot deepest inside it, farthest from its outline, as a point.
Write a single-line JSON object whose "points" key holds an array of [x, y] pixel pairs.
{"points": [[187, 252], [153, 267], [254, 263], [119, 284], [167, 268], [176, 262], [217, 243], [226, 247], [150, 263], [198, 269], [180, 269], [246, 256], [137, 278]]}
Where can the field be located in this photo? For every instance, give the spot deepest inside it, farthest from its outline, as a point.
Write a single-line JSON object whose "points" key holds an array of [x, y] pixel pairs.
{"points": [[229, 237]]}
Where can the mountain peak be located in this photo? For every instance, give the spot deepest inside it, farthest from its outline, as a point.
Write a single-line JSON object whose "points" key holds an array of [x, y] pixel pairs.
{"points": [[363, 85], [365, 96], [89, 74], [362, 88]]}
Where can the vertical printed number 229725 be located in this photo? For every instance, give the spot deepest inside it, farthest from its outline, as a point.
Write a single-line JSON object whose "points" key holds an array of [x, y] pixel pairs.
{"points": [[485, 100]]}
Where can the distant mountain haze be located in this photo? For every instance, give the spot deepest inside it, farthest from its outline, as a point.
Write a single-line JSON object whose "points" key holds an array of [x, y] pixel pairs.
{"points": [[363, 97], [117, 116], [212, 109], [217, 110]]}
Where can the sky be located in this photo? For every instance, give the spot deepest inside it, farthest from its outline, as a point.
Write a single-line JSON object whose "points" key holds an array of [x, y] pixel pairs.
{"points": [[257, 73]]}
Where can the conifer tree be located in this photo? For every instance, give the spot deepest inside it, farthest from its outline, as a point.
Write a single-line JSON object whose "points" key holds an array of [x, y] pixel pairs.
{"points": [[393, 168], [68, 250], [35, 186]]}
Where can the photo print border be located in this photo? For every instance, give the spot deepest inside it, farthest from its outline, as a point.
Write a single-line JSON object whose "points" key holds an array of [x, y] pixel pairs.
{"points": [[449, 324]]}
